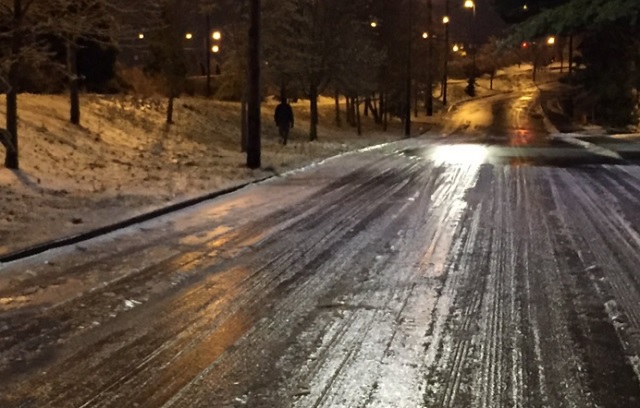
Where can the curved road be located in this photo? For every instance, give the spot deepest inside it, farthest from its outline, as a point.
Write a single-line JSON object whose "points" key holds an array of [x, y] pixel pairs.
{"points": [[492, 268]]}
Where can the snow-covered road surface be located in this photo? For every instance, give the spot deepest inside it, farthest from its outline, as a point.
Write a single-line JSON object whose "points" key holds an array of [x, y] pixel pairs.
{"points": [[420, 274]]}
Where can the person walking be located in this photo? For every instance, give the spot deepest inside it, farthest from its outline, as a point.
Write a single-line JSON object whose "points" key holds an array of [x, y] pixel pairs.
{"points": [[284, 120]]}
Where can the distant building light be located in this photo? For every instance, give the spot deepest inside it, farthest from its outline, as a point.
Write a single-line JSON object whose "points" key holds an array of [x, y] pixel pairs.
{"points": [[525, 45]]}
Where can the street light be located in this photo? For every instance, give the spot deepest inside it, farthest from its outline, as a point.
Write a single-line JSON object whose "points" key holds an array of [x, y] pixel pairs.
{"points": [[456, 48], [215, 49], [425, 35], [374, 24], [141, 36], [217, 35], [551, 40], [470, 4], [188, 36], [445, 21]]}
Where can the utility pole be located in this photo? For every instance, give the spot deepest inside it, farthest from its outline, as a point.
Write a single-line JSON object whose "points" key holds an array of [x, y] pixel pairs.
{"points": [[407, 102], [446, 21], [253, 137], [430, 33]]}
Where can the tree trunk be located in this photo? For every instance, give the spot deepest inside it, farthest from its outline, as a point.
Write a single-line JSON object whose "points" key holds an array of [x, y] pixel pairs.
{"points": [[382, 108], [358, 122], [283, 91], [415, 101], [348, 110], [385, 115], [254, 125], [570, 54], [313, 131], [11, 158], [354, 109], [74, 86], [338, 119], [207, 54], [170, 109], [243, 123], [493, 74], [373, 108], [367, 103]]}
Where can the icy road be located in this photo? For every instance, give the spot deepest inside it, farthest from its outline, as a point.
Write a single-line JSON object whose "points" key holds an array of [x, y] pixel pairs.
{"points": [[489, 269]]}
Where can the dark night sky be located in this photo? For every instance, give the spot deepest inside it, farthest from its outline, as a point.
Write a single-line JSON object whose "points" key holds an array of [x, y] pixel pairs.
{"points": [[463, 27]]}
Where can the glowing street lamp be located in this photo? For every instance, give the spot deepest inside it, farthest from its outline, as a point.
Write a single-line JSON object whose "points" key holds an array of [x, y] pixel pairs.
{"points": [[551, 40], [141, 36], [374, 24], [217, 35], [188, 36], [456, 48], [445, 20], [471, 5], [215, 49], [425, 35]]}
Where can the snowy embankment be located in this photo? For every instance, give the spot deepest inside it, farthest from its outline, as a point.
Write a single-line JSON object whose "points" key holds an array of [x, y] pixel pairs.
{"points": [[124, 160]]}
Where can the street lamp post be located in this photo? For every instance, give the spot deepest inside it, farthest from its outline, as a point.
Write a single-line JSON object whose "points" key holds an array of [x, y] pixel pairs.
{"points": [[471, 5], [407, 108], [445, 21], [254, 126], [429, 91]]}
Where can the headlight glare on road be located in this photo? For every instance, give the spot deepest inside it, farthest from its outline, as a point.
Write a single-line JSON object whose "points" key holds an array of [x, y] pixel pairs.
{"points": [[469, 154]]}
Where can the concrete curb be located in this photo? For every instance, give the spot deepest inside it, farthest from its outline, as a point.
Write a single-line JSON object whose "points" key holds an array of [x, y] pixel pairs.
{"points": [[573, 139], [85, 236]]}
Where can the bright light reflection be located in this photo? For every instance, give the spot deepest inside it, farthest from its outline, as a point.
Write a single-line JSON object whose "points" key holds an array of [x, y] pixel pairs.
{"points": [[468, 154]]}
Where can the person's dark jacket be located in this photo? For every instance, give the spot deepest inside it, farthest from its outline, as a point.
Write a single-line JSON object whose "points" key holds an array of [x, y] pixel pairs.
{"points": [[284, 115]]}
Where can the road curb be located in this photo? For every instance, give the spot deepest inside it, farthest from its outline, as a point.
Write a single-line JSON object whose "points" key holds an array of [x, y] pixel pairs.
{"points": [[573, 139], [85, 236]]}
